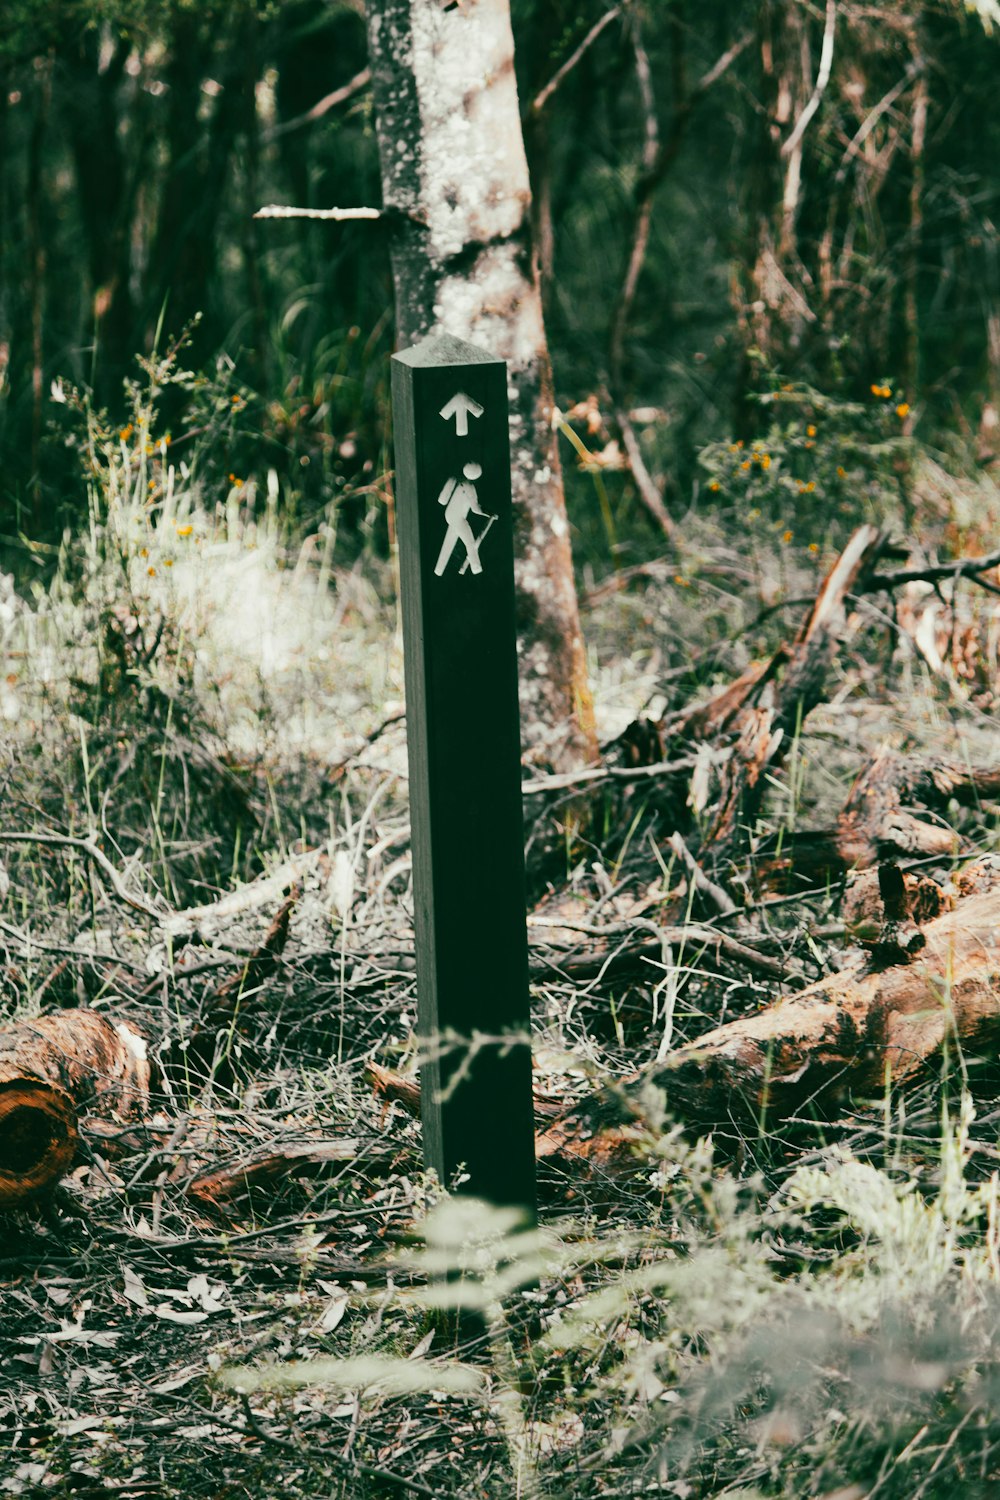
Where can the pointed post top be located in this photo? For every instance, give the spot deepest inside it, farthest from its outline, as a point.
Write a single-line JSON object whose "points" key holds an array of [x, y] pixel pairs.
{"points": [[440, 349]]}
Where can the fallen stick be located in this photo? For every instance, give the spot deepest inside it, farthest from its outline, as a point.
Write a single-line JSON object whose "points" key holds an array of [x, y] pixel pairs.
{"points": [[107, 870], [218, 1185], [52, 1070]]}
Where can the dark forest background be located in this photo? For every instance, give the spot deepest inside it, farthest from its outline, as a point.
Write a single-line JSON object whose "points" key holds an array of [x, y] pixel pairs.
{"points": [[137, 140]]}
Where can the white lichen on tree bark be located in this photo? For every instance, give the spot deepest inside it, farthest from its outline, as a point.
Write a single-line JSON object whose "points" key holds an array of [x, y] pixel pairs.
{"points": [[455, 185]]}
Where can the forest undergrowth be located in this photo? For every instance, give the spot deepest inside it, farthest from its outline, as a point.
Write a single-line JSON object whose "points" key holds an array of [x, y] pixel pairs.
{"points": [[257, 1290]]}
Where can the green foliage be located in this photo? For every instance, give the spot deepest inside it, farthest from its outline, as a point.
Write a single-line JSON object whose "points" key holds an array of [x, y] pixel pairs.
{"points": [[175, 651], [820, 463], [323, 429], [139, 137]]}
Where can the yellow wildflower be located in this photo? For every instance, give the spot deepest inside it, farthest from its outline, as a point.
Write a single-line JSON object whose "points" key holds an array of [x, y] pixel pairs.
{"points": [[787, 536], [745, 464], [810, 431], [903, 409], [151, 572], [184, 530], [841, 472], [715, 485], [168, 562], [126, 433], [814, 546], [765, 461]]}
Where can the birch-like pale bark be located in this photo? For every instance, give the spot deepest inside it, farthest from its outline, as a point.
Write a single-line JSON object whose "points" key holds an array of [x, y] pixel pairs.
{"points": [[456, 192]]}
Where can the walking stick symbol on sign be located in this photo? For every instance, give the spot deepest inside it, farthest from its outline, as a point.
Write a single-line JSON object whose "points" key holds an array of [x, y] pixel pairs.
{"points": [[460, 500]]}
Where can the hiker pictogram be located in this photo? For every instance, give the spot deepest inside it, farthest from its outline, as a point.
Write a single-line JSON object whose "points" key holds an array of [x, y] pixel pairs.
{"points": [[460, 500]]}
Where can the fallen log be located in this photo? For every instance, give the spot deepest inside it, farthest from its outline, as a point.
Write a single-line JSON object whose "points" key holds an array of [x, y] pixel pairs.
{"points": [[54, 1069], [853, 1031]]}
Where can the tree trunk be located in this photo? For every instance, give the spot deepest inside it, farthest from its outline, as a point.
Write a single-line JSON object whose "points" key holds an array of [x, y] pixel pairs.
{"points": [[52, 1068], [455, 186], [185, 251], [88, 100]]}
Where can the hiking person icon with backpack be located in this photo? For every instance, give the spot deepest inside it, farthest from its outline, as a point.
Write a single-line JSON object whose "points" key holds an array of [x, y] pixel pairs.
{"points": [[460, 500]]}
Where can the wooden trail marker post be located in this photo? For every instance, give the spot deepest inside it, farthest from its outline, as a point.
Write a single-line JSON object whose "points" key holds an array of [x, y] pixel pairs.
{"points": [[456, 559]]}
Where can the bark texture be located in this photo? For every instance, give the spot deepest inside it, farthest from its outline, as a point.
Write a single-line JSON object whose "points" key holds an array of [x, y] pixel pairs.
{"points": [[456, 192], [51, 1070]]}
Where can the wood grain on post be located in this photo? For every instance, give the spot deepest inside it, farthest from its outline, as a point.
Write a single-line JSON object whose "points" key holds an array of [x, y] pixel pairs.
{"points": [[53, 1068], [453, 501]]}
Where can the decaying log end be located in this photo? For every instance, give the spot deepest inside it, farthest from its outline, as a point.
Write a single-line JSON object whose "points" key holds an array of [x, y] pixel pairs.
{"points": [[52, 1068], [38, 1137]]}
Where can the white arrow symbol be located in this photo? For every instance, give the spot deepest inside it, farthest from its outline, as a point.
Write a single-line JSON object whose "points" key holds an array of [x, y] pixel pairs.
{"points": [[459, 407]]}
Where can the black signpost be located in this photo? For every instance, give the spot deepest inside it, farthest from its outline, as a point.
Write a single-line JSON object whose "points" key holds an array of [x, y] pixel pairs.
{"points": [[456, 566]]}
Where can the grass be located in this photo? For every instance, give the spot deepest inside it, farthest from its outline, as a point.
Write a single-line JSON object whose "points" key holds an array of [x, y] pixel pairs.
{"points": [[806, 1309]]}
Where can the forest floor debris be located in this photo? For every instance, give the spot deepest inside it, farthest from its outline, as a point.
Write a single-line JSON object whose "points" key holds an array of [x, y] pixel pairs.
{"points": [[241, 1292]]}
